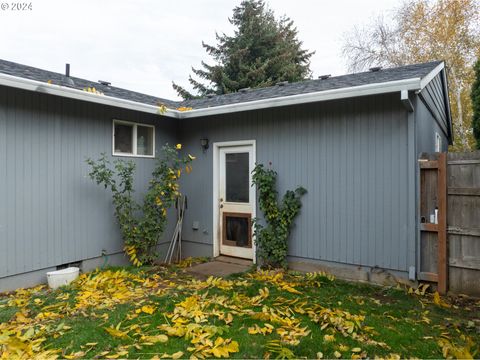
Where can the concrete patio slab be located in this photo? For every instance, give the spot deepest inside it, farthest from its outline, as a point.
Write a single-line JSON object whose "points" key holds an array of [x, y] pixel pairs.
{"points": [[219, 268]]}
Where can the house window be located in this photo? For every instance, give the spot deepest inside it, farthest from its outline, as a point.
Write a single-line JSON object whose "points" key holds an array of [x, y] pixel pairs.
{"points": [[132, 139], [438, 142]]}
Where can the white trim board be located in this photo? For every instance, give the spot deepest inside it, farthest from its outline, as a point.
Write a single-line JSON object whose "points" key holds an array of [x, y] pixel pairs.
{"points": [[318, 96], [424, 82], [216, 174], [57, 90], [412, 84]]}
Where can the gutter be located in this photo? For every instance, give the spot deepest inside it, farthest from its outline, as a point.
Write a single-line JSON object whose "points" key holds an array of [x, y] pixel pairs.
{"points": [[413, 84], [342, 93], [63, 91]]}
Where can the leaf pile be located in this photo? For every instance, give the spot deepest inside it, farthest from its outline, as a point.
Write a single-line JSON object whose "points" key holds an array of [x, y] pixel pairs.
{"points": [[165, 313]]}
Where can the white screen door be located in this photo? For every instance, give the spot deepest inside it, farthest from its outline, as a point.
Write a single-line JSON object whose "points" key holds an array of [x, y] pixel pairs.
{"points": [[236, 201]]}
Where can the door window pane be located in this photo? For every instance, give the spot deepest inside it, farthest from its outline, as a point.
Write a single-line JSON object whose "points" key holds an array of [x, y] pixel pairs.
{"points": [[237, 175], [124, 138], [144, 140], [237, 230]]}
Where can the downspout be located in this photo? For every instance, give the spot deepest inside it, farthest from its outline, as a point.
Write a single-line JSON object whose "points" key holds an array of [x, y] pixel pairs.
{"points": [[413, 231]]}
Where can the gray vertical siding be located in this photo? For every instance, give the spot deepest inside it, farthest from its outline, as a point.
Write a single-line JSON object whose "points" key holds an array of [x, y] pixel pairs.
{"points": [[356, 157], [433, 98], [351, 155], [426, 127], [50, 212]]}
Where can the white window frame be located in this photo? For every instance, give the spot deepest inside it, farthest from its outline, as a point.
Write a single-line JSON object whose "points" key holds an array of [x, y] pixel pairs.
{"points": [[134, 140], [438, 142]]}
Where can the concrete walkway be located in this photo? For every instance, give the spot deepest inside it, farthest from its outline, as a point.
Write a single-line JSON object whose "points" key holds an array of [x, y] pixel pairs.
{"points": [[220, 267]]}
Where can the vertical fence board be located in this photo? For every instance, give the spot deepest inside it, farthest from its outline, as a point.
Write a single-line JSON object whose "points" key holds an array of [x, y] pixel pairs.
{"points": [[464, 222], [433, 239], [442, 224]]}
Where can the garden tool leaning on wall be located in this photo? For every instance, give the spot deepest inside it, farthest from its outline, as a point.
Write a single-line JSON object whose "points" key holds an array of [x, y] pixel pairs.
{"points": [[174, 251]]}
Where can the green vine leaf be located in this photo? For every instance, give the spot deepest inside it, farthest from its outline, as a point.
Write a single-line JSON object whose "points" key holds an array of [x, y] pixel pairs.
{"points": [[272, 237]]}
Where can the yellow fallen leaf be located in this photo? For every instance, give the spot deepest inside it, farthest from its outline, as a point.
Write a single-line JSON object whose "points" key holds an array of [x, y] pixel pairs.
{"points": [[290, 289], [337, 354], [116, 333], [229, 318], [150, 340], [147, 309], [438, 300], [174, 356], [319, 355], [329, 338], [356, 350], [77, 355], [393, 356]]}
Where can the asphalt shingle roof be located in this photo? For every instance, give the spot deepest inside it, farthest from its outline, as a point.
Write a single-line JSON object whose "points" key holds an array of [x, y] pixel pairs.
{"points": [[32, 73], [302, 87]]}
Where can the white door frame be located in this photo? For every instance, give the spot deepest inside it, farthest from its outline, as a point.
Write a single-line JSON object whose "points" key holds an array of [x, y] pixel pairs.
{"points": [[216, 175]]}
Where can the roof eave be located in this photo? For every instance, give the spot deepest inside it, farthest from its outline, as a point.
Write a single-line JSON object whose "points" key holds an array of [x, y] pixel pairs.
{"points": [[412, 84], [429, 77], [334, 94], [57, 90]]}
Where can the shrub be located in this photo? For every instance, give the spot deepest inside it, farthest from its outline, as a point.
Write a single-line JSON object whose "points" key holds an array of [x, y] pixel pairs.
{"points": [[141, 225]]}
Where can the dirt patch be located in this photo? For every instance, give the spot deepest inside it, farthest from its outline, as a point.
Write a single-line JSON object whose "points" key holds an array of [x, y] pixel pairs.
{"points": [[465, 302], [384, 298]]}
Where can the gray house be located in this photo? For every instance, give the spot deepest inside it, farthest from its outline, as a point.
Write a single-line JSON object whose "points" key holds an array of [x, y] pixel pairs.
{"points": [[352, 141]]}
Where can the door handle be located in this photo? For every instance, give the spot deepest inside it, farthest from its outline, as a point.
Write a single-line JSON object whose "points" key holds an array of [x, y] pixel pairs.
{"points": [[221, 206]]}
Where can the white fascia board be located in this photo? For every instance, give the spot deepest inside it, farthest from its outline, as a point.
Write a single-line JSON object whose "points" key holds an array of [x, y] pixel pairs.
{"points": [[342, 93], [431, 75], [57, 90]]}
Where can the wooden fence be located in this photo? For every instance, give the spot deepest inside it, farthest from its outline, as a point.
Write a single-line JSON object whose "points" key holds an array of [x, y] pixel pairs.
{"points": [[464, 222], [450, 250]]}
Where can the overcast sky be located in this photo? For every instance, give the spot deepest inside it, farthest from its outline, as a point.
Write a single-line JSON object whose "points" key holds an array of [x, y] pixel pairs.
{"points": [[143, 45]]}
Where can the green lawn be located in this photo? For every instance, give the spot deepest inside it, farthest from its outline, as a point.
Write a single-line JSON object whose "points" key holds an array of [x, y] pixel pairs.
{"points": [[164, 312]]}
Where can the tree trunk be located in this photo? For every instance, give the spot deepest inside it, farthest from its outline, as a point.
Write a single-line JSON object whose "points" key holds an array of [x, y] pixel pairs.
{"points": [[459, 123]]}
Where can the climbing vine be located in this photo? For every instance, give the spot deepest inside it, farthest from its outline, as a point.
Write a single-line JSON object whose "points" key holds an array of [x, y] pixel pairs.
{"points": [[142, 224], [272, 238]]}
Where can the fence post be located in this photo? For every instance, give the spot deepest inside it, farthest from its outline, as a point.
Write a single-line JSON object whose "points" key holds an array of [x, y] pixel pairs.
{"points": [[442, 224]]}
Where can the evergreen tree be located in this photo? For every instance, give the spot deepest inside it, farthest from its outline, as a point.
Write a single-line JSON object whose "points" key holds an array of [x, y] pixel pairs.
{"points": [[262, 52], [476, 104]]}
